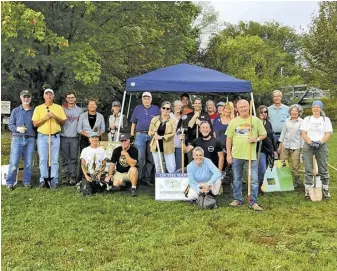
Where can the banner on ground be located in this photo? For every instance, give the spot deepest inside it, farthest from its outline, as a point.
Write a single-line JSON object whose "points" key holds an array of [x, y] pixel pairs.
{"points": [[171, 186]]}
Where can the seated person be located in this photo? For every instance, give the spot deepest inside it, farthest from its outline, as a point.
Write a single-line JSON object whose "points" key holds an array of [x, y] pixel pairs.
{"points": [[203, 175], [212, 147], [123, 167], [93, 162]]}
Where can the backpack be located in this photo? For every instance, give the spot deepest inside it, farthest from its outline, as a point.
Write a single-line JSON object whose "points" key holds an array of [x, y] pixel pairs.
{"points": [[206, 201]]}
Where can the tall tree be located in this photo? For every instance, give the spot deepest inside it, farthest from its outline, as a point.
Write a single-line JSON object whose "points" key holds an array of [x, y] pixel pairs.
{"points": [[320, 47], [265, 54], [100, 43]]}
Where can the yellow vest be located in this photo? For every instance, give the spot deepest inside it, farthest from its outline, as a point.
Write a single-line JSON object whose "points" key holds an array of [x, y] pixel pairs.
{"points": [[41, 111]]}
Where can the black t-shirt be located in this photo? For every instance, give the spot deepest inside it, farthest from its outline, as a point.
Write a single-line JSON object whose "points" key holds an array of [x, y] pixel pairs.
{"points": [[211, 148], [92, 120], [120, 161], [161, 132]]}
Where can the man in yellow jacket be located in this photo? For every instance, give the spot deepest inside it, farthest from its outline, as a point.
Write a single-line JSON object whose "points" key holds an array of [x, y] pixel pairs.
{"points": [[48, 118]]}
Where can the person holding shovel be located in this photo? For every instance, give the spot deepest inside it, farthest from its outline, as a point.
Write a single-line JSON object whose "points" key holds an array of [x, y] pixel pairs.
{"points": [[162, 130], [316, 131], [48, 118], [243, 131]]}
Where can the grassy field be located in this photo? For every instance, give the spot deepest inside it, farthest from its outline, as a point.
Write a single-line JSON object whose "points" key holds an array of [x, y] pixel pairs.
{"points": [[62, 230]]}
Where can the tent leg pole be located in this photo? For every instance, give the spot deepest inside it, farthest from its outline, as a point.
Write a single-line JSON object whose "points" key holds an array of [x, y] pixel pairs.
{"points": [[127, 115], [121, 117], [252, 97]]}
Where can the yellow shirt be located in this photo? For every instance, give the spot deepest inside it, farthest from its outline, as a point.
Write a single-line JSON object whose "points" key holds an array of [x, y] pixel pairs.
{"points": [[41, 111]]}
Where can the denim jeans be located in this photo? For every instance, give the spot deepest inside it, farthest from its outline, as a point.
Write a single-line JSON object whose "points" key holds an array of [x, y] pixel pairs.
{"points": [[69, 153], [21, 146], [42, 147], [238, 165], [168, 161], [262, 166], [145, 159]]}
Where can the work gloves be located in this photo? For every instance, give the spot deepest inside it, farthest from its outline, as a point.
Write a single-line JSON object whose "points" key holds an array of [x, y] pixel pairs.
{"points": [[315, 144]]}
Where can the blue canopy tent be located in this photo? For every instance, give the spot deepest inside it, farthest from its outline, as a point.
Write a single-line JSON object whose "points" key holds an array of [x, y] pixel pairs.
{"points": [[185, 78]]}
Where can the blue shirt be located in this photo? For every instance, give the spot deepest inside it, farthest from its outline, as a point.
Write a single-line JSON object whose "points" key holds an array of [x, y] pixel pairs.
{"points": [[207, 172], [220, 130], [21, 117], [142, 116], [277, 117]]}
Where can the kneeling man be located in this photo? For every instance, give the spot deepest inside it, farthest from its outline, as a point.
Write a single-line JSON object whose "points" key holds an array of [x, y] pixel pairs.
{"points": [[123, 167], [93, 161]]}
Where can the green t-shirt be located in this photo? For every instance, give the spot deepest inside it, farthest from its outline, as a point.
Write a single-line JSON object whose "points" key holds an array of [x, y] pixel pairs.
{"points": [[238, 130]]}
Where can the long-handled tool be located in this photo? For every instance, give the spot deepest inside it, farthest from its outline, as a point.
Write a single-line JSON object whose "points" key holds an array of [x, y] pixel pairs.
{"points": [[182, 153], [159, 154], [250, 151], [48, 180], [315, 192]]}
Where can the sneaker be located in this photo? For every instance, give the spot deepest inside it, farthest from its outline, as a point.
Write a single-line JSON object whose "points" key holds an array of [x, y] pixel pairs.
{"points": [[10, 187], [236, 203], [72, 181], [28, 186], [134, 192], [326, 194], [307, 195], [255, 207], [65, 181]]}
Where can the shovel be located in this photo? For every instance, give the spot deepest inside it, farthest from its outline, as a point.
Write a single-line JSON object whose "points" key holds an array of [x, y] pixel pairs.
{"points": [[48, 180], [315, 192]]}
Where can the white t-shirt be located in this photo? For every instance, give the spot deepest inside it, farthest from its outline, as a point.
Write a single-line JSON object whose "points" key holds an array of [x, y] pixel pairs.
{"points": [[316, 127], [91, 155]]}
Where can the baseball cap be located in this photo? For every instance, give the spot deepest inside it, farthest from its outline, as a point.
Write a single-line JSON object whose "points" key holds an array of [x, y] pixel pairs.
{"points": [[147, 94], [49, 90], [25, 93], [220, 104], [318, 103], [123, 137], [116, 103], [93, 134]]}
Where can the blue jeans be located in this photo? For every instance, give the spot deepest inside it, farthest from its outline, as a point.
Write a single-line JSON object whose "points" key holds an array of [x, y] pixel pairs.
{"points": [[42, 147], [262, 166], [21, 146], [238, 165], [145, 159], [168, 160]]}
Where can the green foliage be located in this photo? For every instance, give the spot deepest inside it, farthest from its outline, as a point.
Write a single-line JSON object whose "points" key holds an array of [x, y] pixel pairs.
{"points": [[320, 50], [94, 46], [265, 54]]}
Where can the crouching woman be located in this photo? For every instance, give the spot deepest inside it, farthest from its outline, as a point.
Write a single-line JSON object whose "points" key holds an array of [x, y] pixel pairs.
{"points": [[203, 175]]}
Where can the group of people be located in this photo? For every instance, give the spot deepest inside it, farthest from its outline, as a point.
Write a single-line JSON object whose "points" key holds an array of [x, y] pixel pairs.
{"points": [[169, 139]]}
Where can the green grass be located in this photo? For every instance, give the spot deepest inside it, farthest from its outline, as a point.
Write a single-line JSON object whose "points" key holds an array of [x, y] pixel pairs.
{"points": [[62, 230]]}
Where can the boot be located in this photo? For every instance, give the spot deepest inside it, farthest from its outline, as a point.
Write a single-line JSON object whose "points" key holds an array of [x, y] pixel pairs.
{"points": [[306, 189], [297, 183], [326, 192]]}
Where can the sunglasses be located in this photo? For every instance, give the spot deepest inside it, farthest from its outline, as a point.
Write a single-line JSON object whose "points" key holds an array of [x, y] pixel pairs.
{"points": [[264, 112], [166, 108]]}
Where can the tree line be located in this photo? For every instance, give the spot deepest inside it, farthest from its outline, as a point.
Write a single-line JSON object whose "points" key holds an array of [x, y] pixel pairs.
{"points": [[93, 47]]}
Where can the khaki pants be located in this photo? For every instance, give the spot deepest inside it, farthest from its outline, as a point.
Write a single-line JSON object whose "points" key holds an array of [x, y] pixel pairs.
{"points": [[293, 156], [119, 179]]}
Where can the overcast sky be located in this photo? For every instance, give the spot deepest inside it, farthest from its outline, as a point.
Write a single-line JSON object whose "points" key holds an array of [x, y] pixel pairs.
{"points": [[296, 14]]}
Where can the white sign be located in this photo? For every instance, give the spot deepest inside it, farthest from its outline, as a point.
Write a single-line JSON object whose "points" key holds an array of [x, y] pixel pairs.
{"points": [[171, 186], [5, 107]]}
